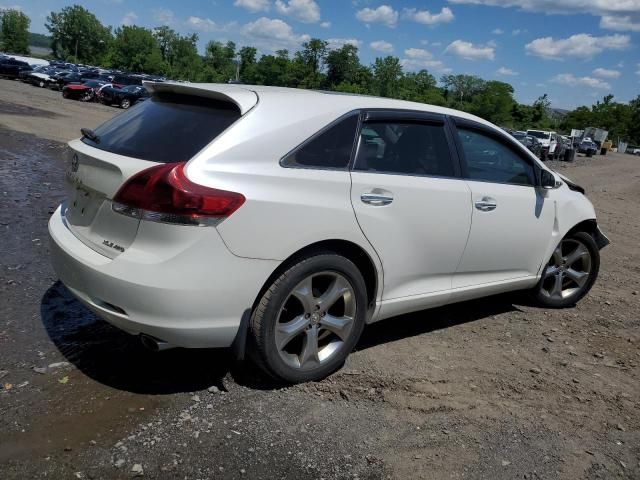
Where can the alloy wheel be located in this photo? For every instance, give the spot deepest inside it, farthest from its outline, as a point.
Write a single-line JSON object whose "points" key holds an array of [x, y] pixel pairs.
{"points": [[568, 270], [315, 320]]}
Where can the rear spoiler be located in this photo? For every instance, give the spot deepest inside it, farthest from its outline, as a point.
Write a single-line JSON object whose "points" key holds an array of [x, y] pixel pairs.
{"points": [[243, 98]]}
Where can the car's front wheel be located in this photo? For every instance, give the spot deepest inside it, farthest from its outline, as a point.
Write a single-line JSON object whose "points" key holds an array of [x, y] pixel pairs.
{"points": [[125, 103], [570, 273], [310, 318]]}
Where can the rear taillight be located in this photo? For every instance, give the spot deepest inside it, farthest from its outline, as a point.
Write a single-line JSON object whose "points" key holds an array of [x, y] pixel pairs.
{"points": [[165, 194]]}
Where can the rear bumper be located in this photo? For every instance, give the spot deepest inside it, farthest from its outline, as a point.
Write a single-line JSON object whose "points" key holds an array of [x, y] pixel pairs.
{"points": [[178, 284]]}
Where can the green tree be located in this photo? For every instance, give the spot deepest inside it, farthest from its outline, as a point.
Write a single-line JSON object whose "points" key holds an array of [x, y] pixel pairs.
{"points": [[220, 58], [136, 49], [494, 102], [387, 73], [634, 124], [420, 87], [78, 35], [184, 61], [306, 69], [540, 112], [14, 31], [248, 67], [460, 89], [343, 65], [166, 37]]}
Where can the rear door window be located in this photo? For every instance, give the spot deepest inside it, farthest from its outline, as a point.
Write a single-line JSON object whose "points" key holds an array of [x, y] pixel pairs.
{"points": [[419, 149], [166, 128]]}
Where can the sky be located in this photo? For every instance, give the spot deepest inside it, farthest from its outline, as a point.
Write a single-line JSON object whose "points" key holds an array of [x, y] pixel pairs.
{"points": [[576, 51]]}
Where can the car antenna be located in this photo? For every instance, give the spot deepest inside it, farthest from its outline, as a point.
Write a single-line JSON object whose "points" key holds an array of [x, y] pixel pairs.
{"points": [[90, 134]]}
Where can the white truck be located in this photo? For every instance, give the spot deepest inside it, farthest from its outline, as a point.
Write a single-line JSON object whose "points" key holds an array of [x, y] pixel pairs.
{"points": [[549, 141]]}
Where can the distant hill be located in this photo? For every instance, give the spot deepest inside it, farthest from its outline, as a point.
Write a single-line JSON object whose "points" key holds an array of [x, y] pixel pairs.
{"points": [[558, 113]]}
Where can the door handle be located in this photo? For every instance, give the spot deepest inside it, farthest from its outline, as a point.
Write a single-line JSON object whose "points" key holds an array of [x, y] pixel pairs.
{"points": [[487, 204], [376, 199]]}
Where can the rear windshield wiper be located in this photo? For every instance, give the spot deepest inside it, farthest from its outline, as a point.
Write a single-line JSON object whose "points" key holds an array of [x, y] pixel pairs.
{"points": [[90, 134]]}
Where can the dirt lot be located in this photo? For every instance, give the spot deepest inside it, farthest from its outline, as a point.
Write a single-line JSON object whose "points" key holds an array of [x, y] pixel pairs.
{"points": [[487, 389]]}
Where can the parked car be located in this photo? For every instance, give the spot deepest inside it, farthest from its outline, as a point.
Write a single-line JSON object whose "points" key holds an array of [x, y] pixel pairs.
{"points": [[69, 78], [11, 68], [588, 147], [124, 97], [223, 215], [530, 142], [561, 148], [548, 140], [24, 74], [41, 78], [85, 92]]}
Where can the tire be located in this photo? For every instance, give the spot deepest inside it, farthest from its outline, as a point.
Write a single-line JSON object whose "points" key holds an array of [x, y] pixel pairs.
{"points": [[578, 254], [294, 299], [125, 103], [41, 84]]}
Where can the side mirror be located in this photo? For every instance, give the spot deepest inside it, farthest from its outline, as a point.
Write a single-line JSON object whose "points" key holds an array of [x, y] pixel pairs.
{"points": [[547, 180]]}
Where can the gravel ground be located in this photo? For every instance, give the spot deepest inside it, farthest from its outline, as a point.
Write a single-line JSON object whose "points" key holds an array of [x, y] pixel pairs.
{"points": [[491, 389]]}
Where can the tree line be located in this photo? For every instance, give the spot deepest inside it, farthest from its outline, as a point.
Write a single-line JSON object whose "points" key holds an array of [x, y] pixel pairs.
{"points": [[77, 35]]}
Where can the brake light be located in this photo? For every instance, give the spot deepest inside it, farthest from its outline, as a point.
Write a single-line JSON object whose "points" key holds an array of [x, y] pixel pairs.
{"points": [[164, 194]]}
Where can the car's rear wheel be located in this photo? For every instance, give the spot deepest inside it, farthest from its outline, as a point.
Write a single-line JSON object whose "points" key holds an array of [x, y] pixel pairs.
{"points": [[570, 273], [310, 318], [125, 103], [41, 83]]}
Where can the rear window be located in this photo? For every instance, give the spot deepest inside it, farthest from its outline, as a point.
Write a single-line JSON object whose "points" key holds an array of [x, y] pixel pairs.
{"points": [[166, 128]]}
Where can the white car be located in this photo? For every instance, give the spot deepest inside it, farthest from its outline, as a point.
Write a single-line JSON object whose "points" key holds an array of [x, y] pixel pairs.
{"points": [[285, 220]]}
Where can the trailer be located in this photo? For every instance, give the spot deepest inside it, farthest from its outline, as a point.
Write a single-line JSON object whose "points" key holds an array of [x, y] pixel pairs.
{"points": [[597, 135]]}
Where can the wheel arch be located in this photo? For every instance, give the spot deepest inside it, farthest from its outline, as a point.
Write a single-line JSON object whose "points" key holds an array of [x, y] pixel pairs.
{"points": [[590, 226], [345, 248]]}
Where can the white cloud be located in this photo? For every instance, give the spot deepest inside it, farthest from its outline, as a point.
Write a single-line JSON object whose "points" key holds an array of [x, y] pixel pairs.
{"points": [[129, 18], [506, 72], [497, 31], [573, 81], [470, 51], [383, 14], [620, 23], [10, 7], [426, 17], [419, 58], [381, 46], [606, 73], [619, 14], [305, 11], [325, 24], [581, 45], [336, 43], [273, 34], [253, 5], [208, 25], [164, 16], [517, 31]]}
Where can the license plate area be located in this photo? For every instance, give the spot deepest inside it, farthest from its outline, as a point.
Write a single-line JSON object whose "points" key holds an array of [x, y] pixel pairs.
{"points": [[83, 206]]}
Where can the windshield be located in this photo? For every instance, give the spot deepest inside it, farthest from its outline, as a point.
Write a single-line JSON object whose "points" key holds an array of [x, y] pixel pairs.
{"points": [[538, 134]]}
